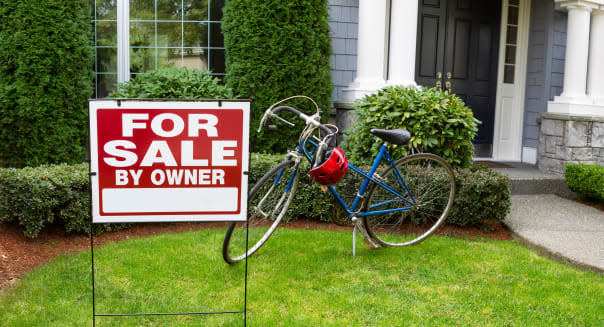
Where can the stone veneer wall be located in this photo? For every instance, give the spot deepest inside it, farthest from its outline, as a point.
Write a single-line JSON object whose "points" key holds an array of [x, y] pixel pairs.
{"points": [[565, 139]]}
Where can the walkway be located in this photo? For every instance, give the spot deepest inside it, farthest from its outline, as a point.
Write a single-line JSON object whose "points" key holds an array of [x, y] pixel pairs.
{"points": [[561, 229]]}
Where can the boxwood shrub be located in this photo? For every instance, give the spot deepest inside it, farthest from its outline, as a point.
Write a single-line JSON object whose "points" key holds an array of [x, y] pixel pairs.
{"points": [[46, 60], [276, 49], [439, 123], [37, 197], [587, 180]]}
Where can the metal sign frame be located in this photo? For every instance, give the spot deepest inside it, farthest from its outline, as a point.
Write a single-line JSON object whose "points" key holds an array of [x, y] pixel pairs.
{"points": [[92, 232], [147, 174]]}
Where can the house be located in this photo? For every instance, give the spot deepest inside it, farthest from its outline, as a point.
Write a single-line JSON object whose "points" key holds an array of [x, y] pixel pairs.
{"points": [[531, 70]]}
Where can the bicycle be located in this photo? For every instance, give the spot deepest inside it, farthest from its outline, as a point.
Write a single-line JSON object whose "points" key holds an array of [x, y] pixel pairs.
{"points": [[402, 205]]}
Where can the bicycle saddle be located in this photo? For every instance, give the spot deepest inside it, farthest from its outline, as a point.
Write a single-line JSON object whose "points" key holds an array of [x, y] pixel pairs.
{"points": [[397, 136]]}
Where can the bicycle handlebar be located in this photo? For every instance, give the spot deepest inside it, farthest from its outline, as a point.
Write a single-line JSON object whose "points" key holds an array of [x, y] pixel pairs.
{"points": [[314, 119]]}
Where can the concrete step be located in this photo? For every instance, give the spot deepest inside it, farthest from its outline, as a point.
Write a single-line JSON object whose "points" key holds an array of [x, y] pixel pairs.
{"points": [[528, 179]]}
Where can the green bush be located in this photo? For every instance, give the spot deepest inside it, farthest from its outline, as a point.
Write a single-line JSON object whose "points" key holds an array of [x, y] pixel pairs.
{"points": [[439, 123], [276, 49], [483, 195], [173, 83], [46, 60], [37, 197], [587, 180]]}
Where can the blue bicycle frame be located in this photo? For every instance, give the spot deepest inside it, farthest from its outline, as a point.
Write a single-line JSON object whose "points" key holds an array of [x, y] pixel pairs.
{"points": [[374, 209]]}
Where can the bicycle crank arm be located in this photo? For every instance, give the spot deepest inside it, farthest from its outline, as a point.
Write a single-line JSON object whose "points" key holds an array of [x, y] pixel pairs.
{"points": [[369, 242]]}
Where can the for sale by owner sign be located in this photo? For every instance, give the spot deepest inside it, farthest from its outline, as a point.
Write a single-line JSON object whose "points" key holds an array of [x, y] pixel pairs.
{"points": [[154, 161]]}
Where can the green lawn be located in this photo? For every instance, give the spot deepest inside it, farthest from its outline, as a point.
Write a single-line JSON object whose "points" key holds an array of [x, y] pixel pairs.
{"points": [[308, 278]]}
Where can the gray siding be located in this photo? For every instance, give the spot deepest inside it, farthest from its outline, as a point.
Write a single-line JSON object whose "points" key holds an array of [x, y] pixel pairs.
{"points": [[545, 65], [343, 22]]}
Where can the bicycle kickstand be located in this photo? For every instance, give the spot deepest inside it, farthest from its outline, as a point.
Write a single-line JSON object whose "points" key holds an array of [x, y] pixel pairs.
{"points": [[368, 240]]}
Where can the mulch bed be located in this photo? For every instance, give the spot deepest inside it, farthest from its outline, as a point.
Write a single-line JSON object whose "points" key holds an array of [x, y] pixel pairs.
{"points": [[19, 254]]}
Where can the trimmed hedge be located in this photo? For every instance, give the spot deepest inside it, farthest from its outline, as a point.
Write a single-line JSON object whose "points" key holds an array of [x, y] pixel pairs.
{"points": [[36, 197], [173, 83], [439, 123], [587, 180], [46, 60], [276, 49]]}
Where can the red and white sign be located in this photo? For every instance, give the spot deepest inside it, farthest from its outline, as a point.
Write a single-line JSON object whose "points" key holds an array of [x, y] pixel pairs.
{"points": [[154, 161]]}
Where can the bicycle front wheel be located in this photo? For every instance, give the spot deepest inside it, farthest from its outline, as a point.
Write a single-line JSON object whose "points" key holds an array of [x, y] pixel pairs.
{"points": [[268, 202], [429, 190]]}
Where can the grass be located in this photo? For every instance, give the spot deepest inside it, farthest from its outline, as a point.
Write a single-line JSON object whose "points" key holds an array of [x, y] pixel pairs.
{"points": [[308, 278]]}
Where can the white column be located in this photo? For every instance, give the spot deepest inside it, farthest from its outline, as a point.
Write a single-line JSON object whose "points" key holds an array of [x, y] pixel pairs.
{"points": [[577, 45], [595, 79], [371, 50], [403, 35]]}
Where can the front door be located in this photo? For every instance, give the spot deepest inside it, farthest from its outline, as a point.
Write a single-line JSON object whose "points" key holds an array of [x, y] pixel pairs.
{"points": [[457, 50]]}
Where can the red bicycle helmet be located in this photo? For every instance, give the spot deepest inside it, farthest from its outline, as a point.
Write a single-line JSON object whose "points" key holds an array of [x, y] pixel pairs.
{"points": [[331, 170]]}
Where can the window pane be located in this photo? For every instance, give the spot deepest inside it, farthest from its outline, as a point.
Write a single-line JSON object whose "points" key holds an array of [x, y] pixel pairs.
{"points": [[195, 9], [217, 61], [169, 9], [168, 58], [513, 15], [216, 9], [216, 38], [510, 54], [105, 83], [508, 74], [142, 60], [196, 34], [142, 34], [511, 35], [169, 34], [196, 58], [106, 9], [106, 60], [106, 34], [142, 9]]}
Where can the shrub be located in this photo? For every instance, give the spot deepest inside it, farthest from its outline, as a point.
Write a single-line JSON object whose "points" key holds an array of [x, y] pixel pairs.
{"points": [[483, 195], [46, 60], [276, 49], [173, 83], [439, 123], [37, 197], [587, 180]]}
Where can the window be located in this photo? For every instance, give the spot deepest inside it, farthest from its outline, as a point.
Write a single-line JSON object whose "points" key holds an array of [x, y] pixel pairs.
{"points": [[511, 42], [154, 34]]}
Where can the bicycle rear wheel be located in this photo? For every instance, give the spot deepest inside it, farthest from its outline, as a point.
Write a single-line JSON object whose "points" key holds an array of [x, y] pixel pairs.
{"points": [[268, 202], [431, 184]]}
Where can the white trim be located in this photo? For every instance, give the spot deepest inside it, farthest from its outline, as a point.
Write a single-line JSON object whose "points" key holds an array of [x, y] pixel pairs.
{"points": [[123, 41], [529, 155], [507, 139]]}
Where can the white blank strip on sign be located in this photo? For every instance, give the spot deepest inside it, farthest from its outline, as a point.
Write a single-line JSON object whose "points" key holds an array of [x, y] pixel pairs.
{"points": [[145, 200]]}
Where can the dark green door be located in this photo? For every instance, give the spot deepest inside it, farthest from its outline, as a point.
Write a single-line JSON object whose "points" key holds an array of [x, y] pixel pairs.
{"points": [[457, 49]]}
